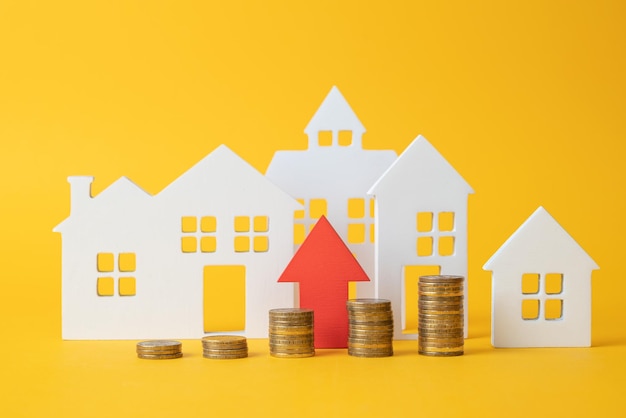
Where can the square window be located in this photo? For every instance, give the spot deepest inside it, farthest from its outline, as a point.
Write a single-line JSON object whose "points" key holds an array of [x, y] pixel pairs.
{"points": [[299, 233], [345, 138], [105, 262], [554, 309], [372, 234], [127, 286], [242, 244], [325, 138], [424, 246], [356, 233], [127, 262], [189, 244], [261, 224], [208, 244], [446, 221], [189, 224], [554, 283], [530, 283], [261, 244], [208, 224], [317, 208], [372, 207], [105, 286], [242, 223], [424, 221], [356, 208], [446, 246], [299, 214], [530, 309]]}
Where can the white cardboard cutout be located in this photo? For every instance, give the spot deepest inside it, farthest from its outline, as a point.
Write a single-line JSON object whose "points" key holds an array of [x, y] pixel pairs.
{"points": [[540, 246], [419, 181], [335, 173], [169, 283]]}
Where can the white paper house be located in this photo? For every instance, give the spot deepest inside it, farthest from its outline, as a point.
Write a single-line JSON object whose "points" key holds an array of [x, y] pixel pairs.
{"points": [[332, 177], [421, 228], [201, 256], [541, 287]]}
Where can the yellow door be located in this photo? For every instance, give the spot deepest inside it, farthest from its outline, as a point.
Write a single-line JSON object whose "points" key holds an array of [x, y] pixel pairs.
{"points": [[224, 298], [411, 277]]}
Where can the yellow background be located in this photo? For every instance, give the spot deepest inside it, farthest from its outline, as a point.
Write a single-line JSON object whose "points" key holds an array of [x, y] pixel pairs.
{"points": [[525, 99]]}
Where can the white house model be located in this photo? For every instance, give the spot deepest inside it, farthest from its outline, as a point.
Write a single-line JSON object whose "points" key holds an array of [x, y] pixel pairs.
{"points": [[421, 228], [331, 178], [201, 256], [541, 287]]}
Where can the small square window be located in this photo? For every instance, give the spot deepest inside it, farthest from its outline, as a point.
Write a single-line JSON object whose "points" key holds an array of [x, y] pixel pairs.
{"points": [[208, 224], [446, 246], [372, 234], [261, 224], [127, 286], [299, 214], [356, 208], [554, 283], [105, 262], [530, 309], [372, 207], [106, 286], [530, 283], [261, 244], [446, 221], [325, 138], [189, 224], [208, 244], [242, 244], [317, 208], [356, 233], [554, 309], [299, 233], [424, 246], [189, 244], [127, 262], [345, 138], [242, 223], [424, 221]]}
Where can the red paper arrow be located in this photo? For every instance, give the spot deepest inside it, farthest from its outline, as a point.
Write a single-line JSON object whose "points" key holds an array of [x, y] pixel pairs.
{"points": [[323, 266]]}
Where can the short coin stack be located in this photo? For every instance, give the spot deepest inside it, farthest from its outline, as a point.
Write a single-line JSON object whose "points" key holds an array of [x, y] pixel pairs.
{"points": [[291, 333], [224, 347], [370, 328], [440, 317], [159, 349]]}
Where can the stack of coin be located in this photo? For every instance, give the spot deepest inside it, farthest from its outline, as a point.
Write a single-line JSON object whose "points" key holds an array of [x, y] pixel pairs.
{"points": [[370, 328], [291, 333], [440, 315], [159, 349], [224, 347]]}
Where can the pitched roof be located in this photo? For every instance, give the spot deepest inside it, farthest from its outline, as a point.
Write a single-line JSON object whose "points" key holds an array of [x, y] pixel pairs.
{"points": [[334, 114], [540, 239]]}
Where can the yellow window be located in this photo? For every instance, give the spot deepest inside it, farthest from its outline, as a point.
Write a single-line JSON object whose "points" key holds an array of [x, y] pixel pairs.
{"points": [[554, 309], [325, 138], [242, 244], [189, 224], [299, 233], [424, 246], [530, 309], [530, 283], [356, 208], [446, 221], [242, 223], [317, 208], [208, 244], [424, 221], [446, 246], [261, 224], [189, 244], [105, 286], [345, 138], [105, 262], [356, 233], [127, 286], [208, 224], [127, 262], [554, 283], [261, 244]]}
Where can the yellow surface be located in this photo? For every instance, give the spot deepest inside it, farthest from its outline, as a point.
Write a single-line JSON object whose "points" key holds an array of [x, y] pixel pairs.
{"points": [[525, 99]]}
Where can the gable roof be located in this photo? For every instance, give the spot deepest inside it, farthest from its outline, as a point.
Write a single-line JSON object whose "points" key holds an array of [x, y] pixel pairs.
{"points": [[421, 167], [540, 239], [334, 114]]}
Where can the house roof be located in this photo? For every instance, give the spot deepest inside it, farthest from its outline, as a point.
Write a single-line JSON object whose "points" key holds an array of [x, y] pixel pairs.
{"points": [[541, 240], [334, 114], [421, 168]]}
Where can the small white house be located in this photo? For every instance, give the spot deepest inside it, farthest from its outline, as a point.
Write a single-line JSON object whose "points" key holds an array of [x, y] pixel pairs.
{"points": [[331, 178], [201, 256], [541, 287], [421, 228]]}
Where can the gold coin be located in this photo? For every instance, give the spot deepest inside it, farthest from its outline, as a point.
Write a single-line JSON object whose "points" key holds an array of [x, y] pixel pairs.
{"points": [[435, 279], [159, 356], [155, 345], [224, 356]]}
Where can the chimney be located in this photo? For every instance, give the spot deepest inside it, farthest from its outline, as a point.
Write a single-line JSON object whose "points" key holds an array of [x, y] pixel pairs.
{"points": [[80, 192]]}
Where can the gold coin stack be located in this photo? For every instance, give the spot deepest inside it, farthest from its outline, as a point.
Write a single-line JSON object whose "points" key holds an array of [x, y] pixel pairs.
{"points": [[440, 316], [159, 349], [224, 347], [370, 328], [291, 333]]}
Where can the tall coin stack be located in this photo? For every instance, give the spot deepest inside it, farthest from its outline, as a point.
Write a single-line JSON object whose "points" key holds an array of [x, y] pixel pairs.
{"points": [[440, 316], [370, 328], [224, 347], [159, 349], [291, 333]]}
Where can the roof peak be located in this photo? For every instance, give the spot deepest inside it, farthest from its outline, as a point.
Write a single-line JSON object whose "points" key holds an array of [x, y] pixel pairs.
{"points": [[334, 114]]}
